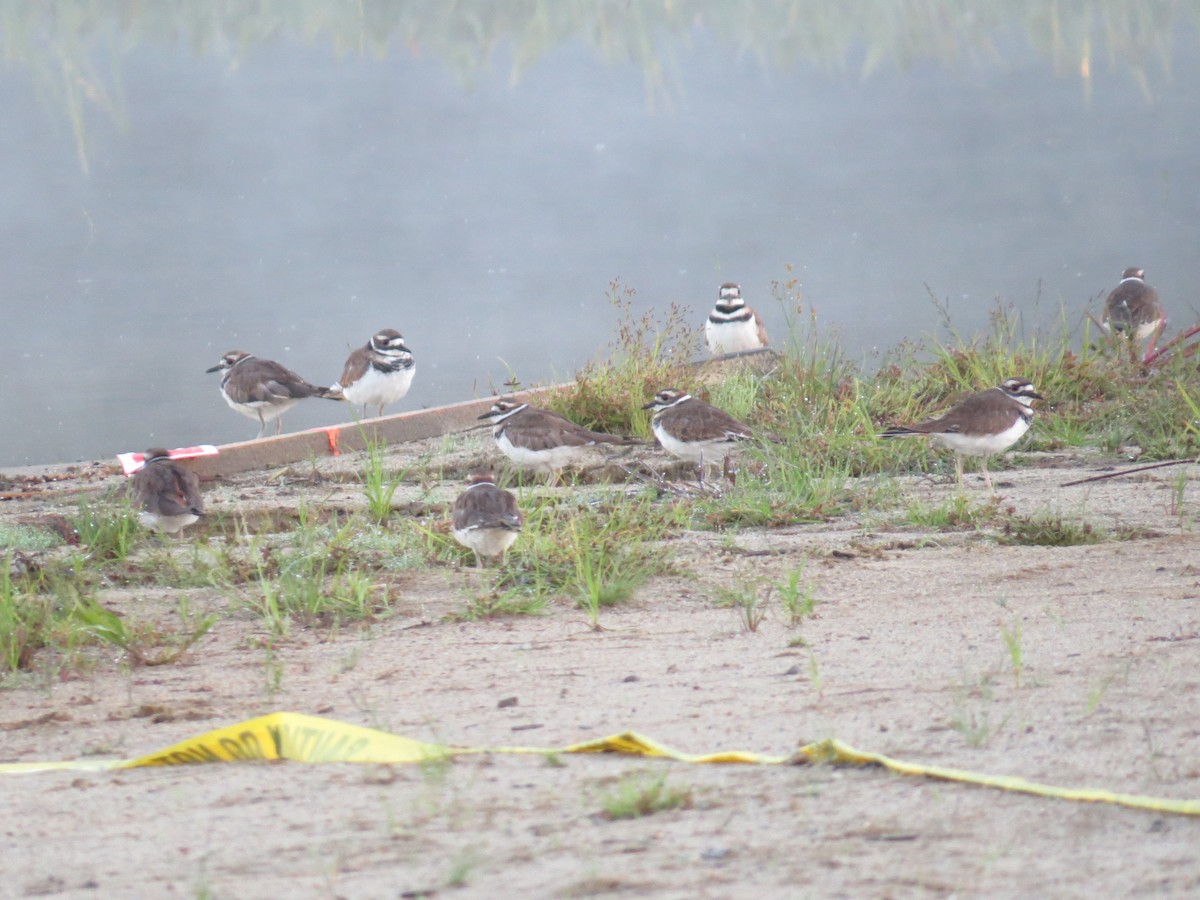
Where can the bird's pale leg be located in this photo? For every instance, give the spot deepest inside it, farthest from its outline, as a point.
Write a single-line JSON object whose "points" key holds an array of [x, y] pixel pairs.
{"points": [[278, 425], [262, 427], [958, 468], [986, 478]]}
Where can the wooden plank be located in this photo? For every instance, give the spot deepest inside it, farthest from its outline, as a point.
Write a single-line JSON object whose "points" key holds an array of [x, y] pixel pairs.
{"points": [[332, 439], [316, 443]]}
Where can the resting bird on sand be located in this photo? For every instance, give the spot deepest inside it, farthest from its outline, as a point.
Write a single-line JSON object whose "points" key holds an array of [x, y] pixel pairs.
{"points": [[166, 494], [485, 517]]}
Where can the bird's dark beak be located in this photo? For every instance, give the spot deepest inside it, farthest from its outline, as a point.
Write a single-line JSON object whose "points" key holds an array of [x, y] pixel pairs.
{"points": [[649, 405], [1037, 396], [489, 414], [217, 368]]}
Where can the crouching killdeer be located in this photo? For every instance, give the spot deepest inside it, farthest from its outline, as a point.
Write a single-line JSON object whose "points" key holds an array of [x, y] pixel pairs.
{"points": [[694, 430], [543, 441], [166, 494], [981, 425], [485, 517], [1132, 310], [379, 373], [732, 326], [263, 389]]}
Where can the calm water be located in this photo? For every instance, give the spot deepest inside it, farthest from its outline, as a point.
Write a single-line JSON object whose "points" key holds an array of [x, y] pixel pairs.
{"points": [[288, 182]]}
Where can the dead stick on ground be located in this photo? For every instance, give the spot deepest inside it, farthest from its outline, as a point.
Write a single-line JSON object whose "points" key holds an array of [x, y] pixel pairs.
{"points": [[1159, 465]]}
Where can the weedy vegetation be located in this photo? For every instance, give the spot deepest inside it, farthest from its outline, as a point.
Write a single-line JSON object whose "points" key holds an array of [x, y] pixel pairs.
{"points": [[749, 599], [145, 643], [107, 531], [1053, 529], [797, 596], [594, 551], [640, 794], [1014, 644], [379, 485]]}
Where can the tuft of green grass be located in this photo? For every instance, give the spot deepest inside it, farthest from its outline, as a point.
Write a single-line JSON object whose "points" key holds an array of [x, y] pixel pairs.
{"points": [[107, 532], [406, 544], [959, 511], [972, 717], [379, 486], [26, 537], [36, 614], [638, 795], [1014, 645], [1052, 529], [596, 553], [512, 602], [315, 580], [189, 565], [144, 644], [797, 597], [750, 599]]}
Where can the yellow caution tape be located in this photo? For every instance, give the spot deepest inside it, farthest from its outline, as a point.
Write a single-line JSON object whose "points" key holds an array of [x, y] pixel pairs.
{"points": [[301, 738]]}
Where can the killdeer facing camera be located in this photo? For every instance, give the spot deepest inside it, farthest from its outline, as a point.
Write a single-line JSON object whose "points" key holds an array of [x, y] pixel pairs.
{"points": [[262, 388], [732, 326], [166, 494], [543, 441], [379, 373], [485, 517], [981, 425], [694, 430], [1132, 310]]}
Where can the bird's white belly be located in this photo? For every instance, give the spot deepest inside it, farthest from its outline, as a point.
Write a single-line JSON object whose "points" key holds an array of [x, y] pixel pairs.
{"points": [[169, 524], [267, 409], [712, 453], [486, 541], [984, 444], [377, 388], [731, 337], [1146, 329], [544, 462]]}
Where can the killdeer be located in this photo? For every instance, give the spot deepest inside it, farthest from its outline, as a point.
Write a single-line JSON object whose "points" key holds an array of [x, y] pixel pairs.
{"points": [[694, 430], [981, 425], [1133, 310], [543, 441], [485, 517], [379, 373], [262, 388], [166, 494], [732, 326]]}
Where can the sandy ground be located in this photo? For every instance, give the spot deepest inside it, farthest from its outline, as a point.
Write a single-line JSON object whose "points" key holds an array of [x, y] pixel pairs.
{"points": [[905, 655]]}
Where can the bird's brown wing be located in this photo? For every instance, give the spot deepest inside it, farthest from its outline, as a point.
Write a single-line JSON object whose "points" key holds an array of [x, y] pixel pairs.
{"points": [[357, 364], [486, 506], [544, 429], [762, 329], [983, 413], [704, 421], [167, 489]]}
